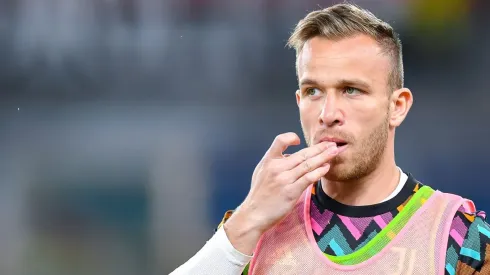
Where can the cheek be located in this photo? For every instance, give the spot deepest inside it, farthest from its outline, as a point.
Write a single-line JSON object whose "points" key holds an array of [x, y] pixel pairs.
{"points": [[309, 113], [363, 119]]}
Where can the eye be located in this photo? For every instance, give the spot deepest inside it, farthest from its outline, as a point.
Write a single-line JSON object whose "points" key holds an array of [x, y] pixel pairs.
{"points": [[352, 91], [312, 92]]}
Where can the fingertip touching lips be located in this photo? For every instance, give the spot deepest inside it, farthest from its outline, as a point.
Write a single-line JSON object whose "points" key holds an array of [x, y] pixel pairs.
{"points": [[339, 142]]}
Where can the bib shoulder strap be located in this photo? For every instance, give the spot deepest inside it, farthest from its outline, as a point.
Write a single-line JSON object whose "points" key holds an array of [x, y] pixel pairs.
{"points": [[467, 204]]}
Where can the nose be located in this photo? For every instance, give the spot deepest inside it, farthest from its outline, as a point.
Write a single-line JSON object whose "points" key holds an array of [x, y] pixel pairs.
{"points": [[331, 114]]}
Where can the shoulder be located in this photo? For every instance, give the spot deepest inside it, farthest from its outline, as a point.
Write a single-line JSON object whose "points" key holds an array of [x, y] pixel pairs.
{"points": [[471, 232]]}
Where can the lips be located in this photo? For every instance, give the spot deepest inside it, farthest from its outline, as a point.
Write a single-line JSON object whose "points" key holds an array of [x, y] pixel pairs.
{"points": [[338, 141]]}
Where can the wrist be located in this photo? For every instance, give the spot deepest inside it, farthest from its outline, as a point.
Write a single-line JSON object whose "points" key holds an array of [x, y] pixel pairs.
{"points": [[242, 232]]}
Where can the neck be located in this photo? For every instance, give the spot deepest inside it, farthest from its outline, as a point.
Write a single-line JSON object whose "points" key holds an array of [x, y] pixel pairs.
{"points": [[370, 189]]}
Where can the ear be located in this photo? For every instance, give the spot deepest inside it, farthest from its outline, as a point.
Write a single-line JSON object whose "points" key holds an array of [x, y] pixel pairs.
{"points": [[400, 103], [298, 97]]}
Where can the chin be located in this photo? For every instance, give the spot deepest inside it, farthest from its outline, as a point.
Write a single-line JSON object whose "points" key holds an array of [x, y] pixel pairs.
{"points": [[341, 171], [337, 172]]}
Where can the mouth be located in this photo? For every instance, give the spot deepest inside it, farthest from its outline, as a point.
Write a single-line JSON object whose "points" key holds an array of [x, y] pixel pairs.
{"points": [[341, 144]]}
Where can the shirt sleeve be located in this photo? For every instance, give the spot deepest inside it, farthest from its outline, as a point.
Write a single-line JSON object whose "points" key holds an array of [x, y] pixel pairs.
{"points": [[217, 257]]}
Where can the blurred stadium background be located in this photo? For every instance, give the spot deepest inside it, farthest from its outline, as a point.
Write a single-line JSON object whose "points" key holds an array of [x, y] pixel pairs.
{"points": [[128, 127]]}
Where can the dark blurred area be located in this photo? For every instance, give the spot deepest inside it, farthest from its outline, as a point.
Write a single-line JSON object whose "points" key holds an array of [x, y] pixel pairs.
{"points": [[128, 128]]}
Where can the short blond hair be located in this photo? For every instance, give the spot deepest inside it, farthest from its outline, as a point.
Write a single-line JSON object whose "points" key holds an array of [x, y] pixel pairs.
{"points": [[346, 20]]}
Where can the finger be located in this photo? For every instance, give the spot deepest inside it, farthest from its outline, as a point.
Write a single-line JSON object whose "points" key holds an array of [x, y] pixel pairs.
{"points": [[281, 143], [299, 186], [313, 163], [306, 153]]}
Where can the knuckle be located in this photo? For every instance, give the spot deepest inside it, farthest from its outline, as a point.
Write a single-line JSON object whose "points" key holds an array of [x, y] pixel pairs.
{"points": [[289, 194], [304, 154], [279, 138], [310, 177], [314, 147], [306, 166], [273, 167], [319, 149], [322, 149]]}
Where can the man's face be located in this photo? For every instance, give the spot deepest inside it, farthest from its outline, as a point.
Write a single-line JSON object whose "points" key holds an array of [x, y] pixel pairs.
{"points": [[344, 95]]}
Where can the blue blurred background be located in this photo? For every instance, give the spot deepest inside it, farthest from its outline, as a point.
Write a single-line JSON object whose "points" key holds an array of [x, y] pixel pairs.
{"points": [[128, 127]]}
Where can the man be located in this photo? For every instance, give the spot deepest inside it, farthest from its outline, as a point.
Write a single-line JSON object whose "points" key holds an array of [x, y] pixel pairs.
{"points": [[341, 205]]}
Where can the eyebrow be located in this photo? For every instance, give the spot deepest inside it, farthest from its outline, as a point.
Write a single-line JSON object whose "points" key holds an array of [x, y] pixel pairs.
{"points": [[340, 83]]}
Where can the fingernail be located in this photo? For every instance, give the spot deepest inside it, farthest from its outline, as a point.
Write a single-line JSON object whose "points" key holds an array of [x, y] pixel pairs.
{"points": [[329, 145], [332, 150]]}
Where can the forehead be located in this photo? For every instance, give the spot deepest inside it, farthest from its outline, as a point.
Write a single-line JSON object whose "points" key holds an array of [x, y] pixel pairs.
{"points": [[358, 57]]}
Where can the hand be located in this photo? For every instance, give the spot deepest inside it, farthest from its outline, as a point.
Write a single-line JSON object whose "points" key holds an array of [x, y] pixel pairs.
{"points": [[277, 183]]}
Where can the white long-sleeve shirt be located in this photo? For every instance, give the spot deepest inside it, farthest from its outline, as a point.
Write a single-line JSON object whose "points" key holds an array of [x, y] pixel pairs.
{"points": [[219, 257]]}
